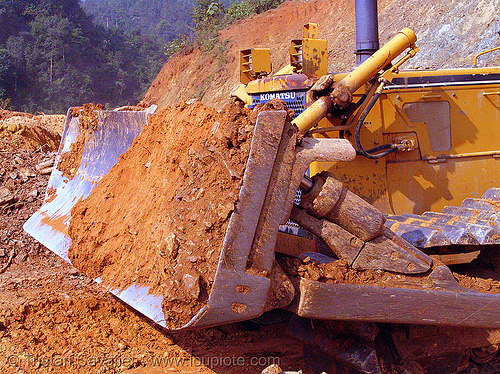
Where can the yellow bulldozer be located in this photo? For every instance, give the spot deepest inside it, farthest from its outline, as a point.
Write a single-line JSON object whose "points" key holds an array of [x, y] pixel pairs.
{"points": [[380, 169]]}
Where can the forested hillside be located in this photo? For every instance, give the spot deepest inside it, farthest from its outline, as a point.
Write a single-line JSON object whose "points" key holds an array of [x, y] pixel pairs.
{"points": [[60, 53], [166, 19], [162, 18], [52, 56]]}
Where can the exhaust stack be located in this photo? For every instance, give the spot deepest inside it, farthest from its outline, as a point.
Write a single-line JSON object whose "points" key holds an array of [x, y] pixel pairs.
{"points": [[366, 29]]}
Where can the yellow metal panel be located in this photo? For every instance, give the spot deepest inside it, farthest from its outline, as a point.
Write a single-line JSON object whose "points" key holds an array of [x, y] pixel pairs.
{"points": [[310, 30], [422, 179], [289, 82], [364, 177], [296, 54], [314, 57], [254, 63], [261, 60], [425, 179], [416, 187], [440, 72]]}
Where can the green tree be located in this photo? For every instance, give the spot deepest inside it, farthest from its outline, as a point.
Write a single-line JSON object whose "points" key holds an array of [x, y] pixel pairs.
{"points": [[56, 57]]}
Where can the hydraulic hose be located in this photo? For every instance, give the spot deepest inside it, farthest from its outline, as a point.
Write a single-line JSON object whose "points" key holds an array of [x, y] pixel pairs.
{"points": [[388, 149]]}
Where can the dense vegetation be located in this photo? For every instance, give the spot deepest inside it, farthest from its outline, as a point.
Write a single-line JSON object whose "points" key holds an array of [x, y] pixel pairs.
{"points": [[164, 19], [185, 22], [54, 54], [211, 16]]}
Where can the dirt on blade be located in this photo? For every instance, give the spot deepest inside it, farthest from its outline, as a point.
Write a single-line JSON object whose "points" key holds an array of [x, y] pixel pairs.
{"points": [[53, 319], [158, 218], [70, 161]]}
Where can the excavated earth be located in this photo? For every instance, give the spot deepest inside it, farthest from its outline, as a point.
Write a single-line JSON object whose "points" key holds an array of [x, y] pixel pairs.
{"points": [[54, 319], [477, 275], [159, 216], [87, 121]]}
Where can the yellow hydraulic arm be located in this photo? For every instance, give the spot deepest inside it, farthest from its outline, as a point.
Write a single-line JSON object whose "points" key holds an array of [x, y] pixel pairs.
{"points": [[338, 96]]}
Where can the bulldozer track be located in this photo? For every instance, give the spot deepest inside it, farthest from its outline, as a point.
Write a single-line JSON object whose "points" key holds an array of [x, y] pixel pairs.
{"points": [[469, 227]]}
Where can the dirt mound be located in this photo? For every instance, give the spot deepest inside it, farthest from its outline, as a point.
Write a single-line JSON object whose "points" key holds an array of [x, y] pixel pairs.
{"points": [[474, 276], [450, 34], [25, 131], [6, 114], [158, 218], [53, 319]]}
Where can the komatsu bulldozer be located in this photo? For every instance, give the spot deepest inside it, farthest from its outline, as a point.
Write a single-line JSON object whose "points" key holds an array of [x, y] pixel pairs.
{"points": [[382, 169]]}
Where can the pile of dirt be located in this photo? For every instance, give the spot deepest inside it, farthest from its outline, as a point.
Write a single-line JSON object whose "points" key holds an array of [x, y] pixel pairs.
{"points": [[70, 161], [159, 216], [479, 282], [25, 131], [482, 274], [26, 141], [337, 271], [475, 276], [6, 114], [54, 319]]}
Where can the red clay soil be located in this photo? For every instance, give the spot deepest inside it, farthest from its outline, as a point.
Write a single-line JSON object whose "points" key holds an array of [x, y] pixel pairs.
{"points": [[53, 319], [6, 114], [26, 131], [475, 276], [70, 161], [158, 218]]}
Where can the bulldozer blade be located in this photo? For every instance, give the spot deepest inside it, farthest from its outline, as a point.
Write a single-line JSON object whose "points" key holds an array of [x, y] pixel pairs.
{"points": [[49, 225], [247, 281]]}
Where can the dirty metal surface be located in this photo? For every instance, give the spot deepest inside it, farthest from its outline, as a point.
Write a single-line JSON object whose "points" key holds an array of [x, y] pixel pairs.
{"points": [[237, 295], [435, 300], [472, 226], [354, 229], [480, 230], [49, 225], [242, 286], [280, 83], [344, 244], [455, 234]]}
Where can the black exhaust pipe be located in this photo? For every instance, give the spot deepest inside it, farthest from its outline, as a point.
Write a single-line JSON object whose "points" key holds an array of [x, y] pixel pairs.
{"points": [[366, 29]]}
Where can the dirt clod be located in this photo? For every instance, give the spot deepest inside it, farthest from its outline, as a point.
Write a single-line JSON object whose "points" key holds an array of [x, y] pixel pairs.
{"points": [[5, 196], [70, 161], [32, 133]]}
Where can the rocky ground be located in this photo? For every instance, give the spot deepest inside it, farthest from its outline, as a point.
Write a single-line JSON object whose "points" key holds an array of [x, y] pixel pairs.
{"points": [[53, 319]]}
